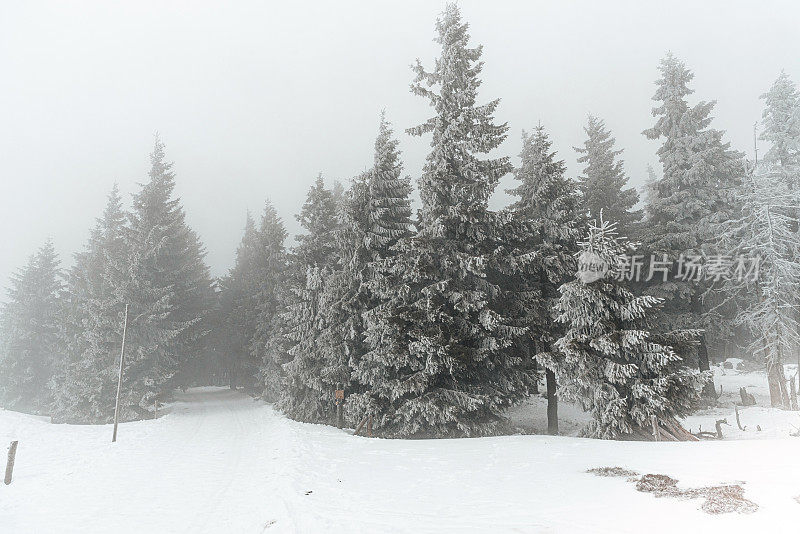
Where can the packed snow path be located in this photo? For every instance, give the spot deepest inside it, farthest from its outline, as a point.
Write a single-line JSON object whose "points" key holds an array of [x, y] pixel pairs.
{"points": [[220, 462]]}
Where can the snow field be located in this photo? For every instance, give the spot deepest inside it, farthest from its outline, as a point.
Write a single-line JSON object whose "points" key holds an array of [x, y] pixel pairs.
{"points": [[220, 462]]}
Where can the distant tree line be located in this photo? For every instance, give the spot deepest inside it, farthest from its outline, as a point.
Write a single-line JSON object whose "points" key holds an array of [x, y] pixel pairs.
{"points": [[436, 322]]}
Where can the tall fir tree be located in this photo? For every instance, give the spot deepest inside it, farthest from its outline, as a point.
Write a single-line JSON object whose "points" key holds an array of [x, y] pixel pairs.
{"points": [[270, 295], [781, 128], [378, 216], [695, 193], [29, 333], [85, 386], [251, 298], [168, 289], [318, 218], [548, 204], [303, 396], [239, 318], [440, 344], [603, 182], [612, 364], [344, 296], [765, 278]]}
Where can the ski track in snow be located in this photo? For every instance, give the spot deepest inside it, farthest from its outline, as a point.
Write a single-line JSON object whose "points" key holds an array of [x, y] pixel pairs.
{"points": [[220, 462]]}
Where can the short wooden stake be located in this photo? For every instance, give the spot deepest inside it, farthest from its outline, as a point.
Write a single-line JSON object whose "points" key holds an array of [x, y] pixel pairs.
{"points": [[360, 425], [656, 433], [12, 452]]}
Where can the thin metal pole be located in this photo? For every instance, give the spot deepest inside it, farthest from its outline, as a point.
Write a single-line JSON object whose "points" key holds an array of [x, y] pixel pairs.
{"points": [[119, 381], [755, 142]]}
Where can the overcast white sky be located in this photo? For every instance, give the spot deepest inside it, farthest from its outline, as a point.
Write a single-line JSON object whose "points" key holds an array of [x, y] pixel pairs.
{"points": [[253, 99]]}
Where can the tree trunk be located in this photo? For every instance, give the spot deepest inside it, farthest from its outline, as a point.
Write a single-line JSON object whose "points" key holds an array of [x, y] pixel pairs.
{"points": [[778, 396], [709, 391], [232, 375], [552, 403], [536, 373]]}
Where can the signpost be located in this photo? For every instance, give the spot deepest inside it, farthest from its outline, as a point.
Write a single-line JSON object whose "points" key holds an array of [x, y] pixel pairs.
{"points": [[119, 380]]}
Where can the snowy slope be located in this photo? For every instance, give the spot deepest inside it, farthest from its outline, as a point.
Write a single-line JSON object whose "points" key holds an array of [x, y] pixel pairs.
{"points": [[221, 462]]}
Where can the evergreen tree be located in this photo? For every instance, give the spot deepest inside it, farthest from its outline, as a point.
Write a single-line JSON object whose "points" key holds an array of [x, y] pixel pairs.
{"points": [[765, 236], [604, 178], [270, 296], [29, 329], [612, 365], [439, 346], [388, 217], [781, 122], [695, 193], [780, 171], [85, 387], [377, 216], [318, 217], [238, 307], [168, 289], [549, 207], [304, 397]]}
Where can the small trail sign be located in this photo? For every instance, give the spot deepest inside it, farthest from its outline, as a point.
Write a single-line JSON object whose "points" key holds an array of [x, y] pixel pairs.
{"points": [[339, 394]]}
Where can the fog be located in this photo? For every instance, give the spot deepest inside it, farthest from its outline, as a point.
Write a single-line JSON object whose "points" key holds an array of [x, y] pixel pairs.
{"points": [[253, 100]]}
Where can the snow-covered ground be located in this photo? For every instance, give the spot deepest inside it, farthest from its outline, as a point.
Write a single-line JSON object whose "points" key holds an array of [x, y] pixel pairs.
{"points": [[531, 416], [220, 462]]}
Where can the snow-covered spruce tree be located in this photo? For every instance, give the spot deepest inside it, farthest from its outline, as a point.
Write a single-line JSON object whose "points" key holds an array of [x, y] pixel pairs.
{"points": [[781, 122], [603, 180], [766, 232], [548, 205], [299, 326], [318, 218], [612, 365], [695, 193], [84, 389], [344, 297], [238, 317], [29, 333], [270, 296], [439, 345], [389, 211], [168, 290], [250, 295], [378, 215]]}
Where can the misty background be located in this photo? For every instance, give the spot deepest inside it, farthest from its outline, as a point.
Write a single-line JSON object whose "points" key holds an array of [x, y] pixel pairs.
{"points": [[253, 100]]}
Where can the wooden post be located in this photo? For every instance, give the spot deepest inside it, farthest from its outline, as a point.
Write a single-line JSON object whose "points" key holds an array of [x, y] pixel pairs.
{"points": [[369, 426], [361, 425], [552, 403], [339, 395], [12, 452], [155, 409], [119, 380]]}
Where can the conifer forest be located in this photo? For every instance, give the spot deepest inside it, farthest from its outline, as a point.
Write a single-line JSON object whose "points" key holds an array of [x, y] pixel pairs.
{"points": [[577, 316]]}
